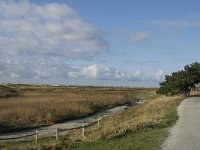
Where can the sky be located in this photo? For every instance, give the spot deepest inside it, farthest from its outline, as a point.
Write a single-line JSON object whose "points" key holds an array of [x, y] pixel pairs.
{"points": [[97, 42]]}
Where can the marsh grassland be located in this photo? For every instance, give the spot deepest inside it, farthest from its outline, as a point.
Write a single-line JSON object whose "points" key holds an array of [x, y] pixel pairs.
{"points": [[144, 126], [27, 106]]}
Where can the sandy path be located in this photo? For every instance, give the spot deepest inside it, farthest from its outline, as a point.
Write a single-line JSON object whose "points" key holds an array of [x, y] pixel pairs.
{"points": [[50, 130], [185, 135]]}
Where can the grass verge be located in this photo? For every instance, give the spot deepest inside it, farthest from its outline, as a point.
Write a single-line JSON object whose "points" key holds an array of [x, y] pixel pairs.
{"points": [[154, 114]]}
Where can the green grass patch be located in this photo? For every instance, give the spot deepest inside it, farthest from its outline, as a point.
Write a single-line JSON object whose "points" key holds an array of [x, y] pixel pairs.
{"points": [[149, 140]]}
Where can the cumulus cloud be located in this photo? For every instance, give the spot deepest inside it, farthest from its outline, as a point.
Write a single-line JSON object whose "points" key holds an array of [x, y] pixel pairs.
{"points": [[95, 71], [139, 37], [38, 41], [91, 71], [34, 67], [159, 75], [39, 68], [50, 28], [137, 73], [13, 75], [105, 72]]}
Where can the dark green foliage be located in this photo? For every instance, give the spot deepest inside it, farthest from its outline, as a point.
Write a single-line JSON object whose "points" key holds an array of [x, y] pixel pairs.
{"points": [[181, 82]]}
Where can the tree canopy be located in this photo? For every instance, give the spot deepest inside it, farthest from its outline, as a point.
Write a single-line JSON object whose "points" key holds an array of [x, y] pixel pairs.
{"points": [[181, 82]]}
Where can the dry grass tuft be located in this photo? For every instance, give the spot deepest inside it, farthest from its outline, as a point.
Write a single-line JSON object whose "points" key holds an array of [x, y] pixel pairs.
{"points": [[155, 113]]}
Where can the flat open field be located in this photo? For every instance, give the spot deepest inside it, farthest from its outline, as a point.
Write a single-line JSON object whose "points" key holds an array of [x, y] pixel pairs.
{"points": [[144, 126], [27, 106]]}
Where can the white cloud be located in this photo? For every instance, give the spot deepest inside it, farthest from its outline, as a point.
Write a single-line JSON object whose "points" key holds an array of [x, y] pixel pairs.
{"points": [[33, 67], [137, 73], [51, 28], [51, 68], [136, 76], [94, 71], [139, 37], [91, 71], [14, 75], [177, 23], [159, 75], [105, 72]]}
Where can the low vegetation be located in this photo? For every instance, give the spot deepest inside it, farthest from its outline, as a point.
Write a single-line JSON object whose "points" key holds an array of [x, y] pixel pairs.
{"points": [[43, 105], [141, 127], [7, 92], [157, 113]]}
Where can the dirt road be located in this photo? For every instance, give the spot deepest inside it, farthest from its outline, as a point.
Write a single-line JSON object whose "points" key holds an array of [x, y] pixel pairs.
{"points": [[185, 135]]}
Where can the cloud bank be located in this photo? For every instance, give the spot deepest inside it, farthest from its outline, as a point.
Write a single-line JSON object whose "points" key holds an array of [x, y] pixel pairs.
{"points": [[38, 41], [102, 72], [51, 28], [36, 67]]}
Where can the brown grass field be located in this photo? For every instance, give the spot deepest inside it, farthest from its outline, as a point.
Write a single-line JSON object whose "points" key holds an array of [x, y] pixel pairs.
{"points": [[27, 106], [143, 126]]}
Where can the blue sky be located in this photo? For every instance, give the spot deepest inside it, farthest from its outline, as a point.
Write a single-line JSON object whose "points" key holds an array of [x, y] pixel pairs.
{"points": [[97, 42]]}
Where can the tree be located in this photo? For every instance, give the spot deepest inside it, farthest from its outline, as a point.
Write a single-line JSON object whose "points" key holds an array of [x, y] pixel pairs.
{"points": [[181, 82]]}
